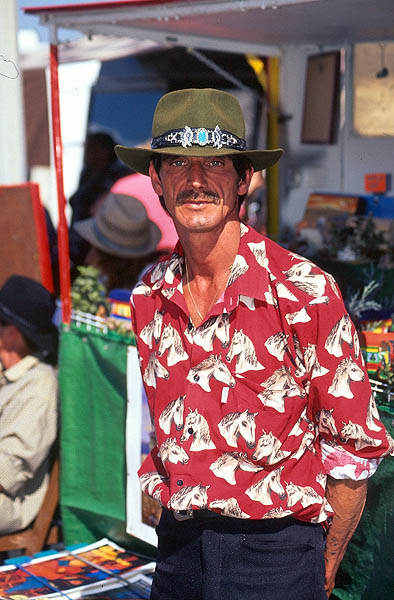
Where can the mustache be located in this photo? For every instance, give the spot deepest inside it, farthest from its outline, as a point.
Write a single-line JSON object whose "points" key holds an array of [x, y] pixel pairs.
{"points": [[188, 195]]}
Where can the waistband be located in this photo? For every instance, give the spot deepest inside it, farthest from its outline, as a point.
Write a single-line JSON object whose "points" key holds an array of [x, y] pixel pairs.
{"points": [[234, 524]]}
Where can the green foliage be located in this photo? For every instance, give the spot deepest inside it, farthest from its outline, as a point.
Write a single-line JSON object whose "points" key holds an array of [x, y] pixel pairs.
{"points": [[88, 294], [361, 301], [359, 235]]}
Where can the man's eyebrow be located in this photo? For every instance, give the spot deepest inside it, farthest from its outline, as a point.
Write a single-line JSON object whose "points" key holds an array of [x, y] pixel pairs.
{"points": [[171, 156]]}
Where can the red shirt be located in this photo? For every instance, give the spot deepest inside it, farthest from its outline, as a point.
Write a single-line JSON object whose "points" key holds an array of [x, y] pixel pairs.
{"points": [[265, 398]]}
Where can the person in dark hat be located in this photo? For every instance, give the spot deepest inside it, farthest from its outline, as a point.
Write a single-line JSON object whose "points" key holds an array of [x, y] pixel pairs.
{"points": [[122, 240], [265, 423], [101, 168], [28, 399]]}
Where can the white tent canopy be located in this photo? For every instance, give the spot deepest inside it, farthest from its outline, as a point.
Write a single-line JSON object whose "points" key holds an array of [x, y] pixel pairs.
{"points": [[100, 47], [240, 25]]}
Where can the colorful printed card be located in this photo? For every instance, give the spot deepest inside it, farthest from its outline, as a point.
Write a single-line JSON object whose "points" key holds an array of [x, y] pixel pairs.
{"points": [[89, 570]]}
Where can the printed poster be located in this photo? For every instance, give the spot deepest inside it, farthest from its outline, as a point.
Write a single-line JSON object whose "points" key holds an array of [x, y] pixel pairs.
{"points": [[90, 570]]}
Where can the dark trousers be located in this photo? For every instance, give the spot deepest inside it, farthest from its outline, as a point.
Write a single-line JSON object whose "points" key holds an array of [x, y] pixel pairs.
{"points": [[223, 558]]}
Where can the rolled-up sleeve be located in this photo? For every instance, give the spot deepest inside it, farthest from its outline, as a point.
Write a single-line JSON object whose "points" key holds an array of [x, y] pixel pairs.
{"points": [[352, 438]]}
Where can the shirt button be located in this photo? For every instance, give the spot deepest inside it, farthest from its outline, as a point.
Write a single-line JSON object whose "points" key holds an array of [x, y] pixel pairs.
{"points": [[190, 430], [190, 325], [179, 482]]}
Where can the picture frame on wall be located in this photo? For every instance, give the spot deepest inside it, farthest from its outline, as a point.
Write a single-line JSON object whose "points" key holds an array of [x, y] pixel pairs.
{"points": [[321, 98]]}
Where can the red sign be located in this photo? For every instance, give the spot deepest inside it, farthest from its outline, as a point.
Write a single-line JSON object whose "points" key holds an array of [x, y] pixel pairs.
{"points": [[375, 183]]}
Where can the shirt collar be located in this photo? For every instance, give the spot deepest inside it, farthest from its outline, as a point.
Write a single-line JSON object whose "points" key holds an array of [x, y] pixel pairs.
{"points": [[19, 369], [249, 276], [250, 273]]}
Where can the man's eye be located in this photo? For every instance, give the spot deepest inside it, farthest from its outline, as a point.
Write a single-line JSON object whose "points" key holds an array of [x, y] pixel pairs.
{"points": [[178, 162], [216, 163]]}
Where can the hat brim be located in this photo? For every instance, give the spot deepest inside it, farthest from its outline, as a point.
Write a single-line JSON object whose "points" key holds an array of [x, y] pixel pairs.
{"points": [[43, 340], [138, 159], [86, 230]]}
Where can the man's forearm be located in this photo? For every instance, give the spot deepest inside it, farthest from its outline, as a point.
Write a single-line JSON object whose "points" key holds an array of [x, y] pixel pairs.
{"points": [[347, 498]]}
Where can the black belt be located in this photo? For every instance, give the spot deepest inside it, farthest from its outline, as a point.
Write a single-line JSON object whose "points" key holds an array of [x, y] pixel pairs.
{"points": [[234, 524], [184, 515]]}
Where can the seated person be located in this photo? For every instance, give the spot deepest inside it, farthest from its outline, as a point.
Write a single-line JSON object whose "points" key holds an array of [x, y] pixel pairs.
{"points": [[28, 399], [101, 168], [123, 241]]}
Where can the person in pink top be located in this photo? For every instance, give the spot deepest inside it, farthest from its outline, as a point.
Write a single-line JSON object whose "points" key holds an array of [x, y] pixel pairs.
{"points": [[140, 187]]}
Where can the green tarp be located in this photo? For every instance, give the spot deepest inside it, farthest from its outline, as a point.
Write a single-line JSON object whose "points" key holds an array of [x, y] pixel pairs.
{"points": [[92, 376]]}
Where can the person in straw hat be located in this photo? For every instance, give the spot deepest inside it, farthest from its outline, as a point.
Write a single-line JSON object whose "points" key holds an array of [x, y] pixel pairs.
{"points": [[122, 240], [28, 399], [260, 406]]}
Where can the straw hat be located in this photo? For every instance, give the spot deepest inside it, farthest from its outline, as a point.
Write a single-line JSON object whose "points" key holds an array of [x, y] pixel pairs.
{"points": [[120, 227], [197, 122], [29, 306]]}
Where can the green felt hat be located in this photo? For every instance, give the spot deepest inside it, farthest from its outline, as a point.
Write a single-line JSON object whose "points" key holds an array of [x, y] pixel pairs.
{"points": [[197, 122]]}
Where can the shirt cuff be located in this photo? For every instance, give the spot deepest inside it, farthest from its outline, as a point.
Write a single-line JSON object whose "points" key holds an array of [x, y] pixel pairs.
{"points": [[341, 464]]}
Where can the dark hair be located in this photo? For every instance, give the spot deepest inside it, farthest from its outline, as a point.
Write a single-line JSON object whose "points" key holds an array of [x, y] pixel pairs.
{"points": [[241, 165], [122, 272], [42, 354], [33, 348], [105, 141]]}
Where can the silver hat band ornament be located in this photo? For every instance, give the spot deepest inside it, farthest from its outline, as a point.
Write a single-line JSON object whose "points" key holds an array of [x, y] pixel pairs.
{"points": [[198, 136]]}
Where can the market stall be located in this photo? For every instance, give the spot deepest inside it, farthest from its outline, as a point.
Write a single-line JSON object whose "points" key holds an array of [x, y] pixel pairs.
{"points": [[240, 26]]}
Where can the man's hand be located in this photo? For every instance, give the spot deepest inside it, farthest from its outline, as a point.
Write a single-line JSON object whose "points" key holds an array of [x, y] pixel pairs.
{"points": [[347, 498]]}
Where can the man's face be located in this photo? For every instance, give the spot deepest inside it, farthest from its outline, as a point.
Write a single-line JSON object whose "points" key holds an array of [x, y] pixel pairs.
{"points": [[200, 193]]}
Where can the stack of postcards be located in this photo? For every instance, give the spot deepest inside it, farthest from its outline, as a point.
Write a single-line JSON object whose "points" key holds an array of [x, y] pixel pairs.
{"points": [[99, 571]]}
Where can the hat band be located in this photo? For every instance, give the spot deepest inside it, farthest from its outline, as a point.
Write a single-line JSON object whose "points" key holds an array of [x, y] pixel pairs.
{"points": [[198, 136]]}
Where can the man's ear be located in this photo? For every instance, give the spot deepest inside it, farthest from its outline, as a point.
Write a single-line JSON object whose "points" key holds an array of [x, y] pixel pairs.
{"points": [[155, 179], [244, 183]]}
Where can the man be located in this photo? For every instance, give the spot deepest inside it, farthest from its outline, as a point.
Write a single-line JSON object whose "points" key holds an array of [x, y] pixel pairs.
{"points": [[263, 414], [28, 399]]}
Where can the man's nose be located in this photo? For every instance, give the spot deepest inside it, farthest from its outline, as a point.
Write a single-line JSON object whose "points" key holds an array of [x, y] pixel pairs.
{"points": [[197, 174]]}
